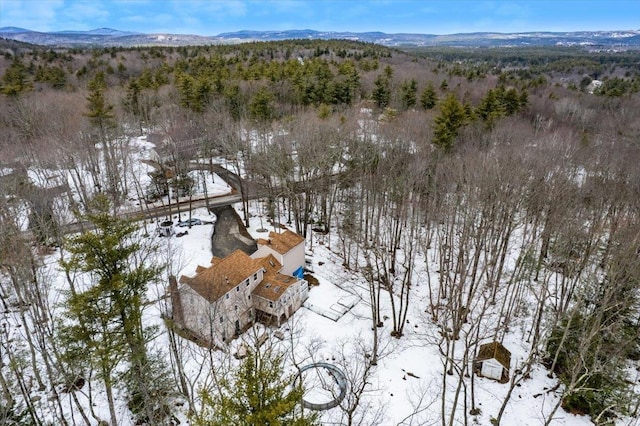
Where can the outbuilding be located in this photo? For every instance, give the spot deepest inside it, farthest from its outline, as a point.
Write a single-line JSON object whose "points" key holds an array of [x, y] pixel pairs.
{"points": [[165, 229], [493, 361]]}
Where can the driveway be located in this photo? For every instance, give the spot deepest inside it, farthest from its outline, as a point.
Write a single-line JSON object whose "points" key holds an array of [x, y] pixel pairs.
{"points": [[229, 233]]}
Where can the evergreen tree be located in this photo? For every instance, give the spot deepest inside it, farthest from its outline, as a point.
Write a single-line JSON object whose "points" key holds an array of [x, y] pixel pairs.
{"points": [[261, 107], [428, 98], [589, 349], [99, 112], [259, 393], [381, 92], [491, 108], [452, 117], [14, 80], [511, 101], [233, 101], [408, 93], [105, 314]]}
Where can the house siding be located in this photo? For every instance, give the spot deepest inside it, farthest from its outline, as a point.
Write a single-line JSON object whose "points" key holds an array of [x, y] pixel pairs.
{"points": [[203, 317], [290, 261], [220, 320]]}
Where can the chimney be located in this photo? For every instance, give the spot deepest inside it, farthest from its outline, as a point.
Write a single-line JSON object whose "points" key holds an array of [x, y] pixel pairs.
{"points": [[176, 301]]}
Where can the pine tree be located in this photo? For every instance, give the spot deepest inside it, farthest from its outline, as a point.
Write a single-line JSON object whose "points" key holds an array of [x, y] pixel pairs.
{"points": [[105, 315], [99, 112], [452, 117], [381, 93], [408, 93], [259, 393], [14, 80], [261, 107], [428, 98], [491, 107]]}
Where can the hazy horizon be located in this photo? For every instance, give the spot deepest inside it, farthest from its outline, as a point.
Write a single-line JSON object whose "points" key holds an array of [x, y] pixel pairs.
{"points": [[210, 18]]}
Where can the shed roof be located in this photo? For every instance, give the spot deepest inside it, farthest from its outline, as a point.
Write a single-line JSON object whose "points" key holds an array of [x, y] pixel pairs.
{"points": [[223, 275], [283, 242], [495, 350]]}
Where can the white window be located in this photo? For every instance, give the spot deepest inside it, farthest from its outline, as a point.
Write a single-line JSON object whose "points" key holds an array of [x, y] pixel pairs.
{"points": [[255, 276], [247, 282]]}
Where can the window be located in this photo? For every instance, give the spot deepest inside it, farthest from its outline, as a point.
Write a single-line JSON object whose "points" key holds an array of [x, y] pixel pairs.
{"points": [[247, 282], [221, 320], [226, 296], [273, 265], [249, 297], [236, 307], [271, 304], [255, 276], [238, 288]]}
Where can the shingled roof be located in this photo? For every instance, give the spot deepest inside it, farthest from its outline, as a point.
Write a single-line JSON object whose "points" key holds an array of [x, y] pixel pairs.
{"points": [[273, 284], [282, 242], [223, 275], [496, 351]]}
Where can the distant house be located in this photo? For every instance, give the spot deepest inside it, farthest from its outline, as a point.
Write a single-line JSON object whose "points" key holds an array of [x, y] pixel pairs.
{"points": [[223, 299], [493, 361]]}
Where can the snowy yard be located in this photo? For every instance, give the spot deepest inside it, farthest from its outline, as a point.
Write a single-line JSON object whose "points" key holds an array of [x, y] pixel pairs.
{"points": [[334, 326], [408, 378]]}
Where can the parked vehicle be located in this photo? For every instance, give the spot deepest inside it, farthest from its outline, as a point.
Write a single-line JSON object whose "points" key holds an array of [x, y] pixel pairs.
{"points": [[189, 222]]}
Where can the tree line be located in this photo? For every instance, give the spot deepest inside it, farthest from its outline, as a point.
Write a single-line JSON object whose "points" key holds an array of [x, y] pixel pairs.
{"points": [[509, 194]]}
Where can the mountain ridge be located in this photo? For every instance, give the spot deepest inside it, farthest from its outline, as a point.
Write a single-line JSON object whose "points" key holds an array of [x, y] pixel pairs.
{"points": [[107, 37]]}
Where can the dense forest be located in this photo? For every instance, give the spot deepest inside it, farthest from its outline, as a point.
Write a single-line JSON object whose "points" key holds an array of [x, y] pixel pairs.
{"points": [[506, 181]]}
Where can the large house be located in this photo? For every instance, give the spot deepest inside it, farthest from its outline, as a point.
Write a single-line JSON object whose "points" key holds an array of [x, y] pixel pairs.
{"points": [[223, 299]]}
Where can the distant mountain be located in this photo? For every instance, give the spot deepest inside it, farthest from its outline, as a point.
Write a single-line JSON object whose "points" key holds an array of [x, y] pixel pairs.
{"points": [[109, 37], [100, 31], [10, 30]]}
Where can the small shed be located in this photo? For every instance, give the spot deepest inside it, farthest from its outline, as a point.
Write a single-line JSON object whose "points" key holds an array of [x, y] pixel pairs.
{"points": [[165, 229], [493, 361]]}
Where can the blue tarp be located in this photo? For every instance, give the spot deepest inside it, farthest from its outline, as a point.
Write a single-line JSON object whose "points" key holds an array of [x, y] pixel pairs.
{"points": [[299, 273]]}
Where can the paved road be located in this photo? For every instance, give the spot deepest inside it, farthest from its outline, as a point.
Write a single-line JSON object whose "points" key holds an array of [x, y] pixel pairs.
{"points": [[252, 191], [162, 211]]}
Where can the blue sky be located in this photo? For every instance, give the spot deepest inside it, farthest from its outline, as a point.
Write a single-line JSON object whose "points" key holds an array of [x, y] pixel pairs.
{"points": [[211, 17]]}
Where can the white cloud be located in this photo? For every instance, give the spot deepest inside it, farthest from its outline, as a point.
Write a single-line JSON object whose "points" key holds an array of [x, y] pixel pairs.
{"points": [[84, 15], [37, 15]]}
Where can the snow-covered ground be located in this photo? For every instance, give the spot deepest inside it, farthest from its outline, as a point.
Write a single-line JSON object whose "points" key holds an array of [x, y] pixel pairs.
{"points": [[405, 388], [137, 174], [408, 378]]}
